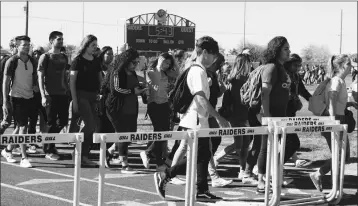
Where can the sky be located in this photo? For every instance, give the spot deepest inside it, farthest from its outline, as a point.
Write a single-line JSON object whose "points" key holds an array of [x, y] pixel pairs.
{"points": [[302, 23]]}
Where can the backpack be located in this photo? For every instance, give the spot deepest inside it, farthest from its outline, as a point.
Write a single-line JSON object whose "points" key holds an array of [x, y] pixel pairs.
{"points": [[317, 103], [13, 65], [250, 92], [180, 97], [227, 108], [47, 58], [3, 62]]}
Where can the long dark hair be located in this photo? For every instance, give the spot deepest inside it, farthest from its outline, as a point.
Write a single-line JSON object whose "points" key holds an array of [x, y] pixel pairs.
{"points": [[85, 44], [154, 62], [120, 64], [241, 67], [273, 50], [103, 52]]}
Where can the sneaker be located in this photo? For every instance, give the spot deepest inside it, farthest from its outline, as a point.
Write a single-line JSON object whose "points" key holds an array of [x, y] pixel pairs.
{"points": [[128, 170], [160, 181], [317, 181], [109, 156], [8, 156], [145, 159], [207, 197], [220, 182], [241, 175], [117, 160], [177, 181], [32, 149], [52, 156], [86, 162], [286, 181], [250, 180], [25, 163], [16, 151]]}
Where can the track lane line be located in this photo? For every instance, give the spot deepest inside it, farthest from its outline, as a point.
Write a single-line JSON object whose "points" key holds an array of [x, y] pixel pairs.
{"points": [[40, 194], [94, 181]]}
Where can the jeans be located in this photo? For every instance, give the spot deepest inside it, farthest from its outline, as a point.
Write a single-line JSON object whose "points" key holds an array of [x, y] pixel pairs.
{"points": [[204, 156], [122, 123], [159, 115], [87, 110], [57, 117]]}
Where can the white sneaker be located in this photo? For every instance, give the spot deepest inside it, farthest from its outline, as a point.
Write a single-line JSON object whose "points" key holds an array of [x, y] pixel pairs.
{"points": [[25, 163], [8, 156], [177, 181], [16, 151], [249, 181], [32, 149], [220, 182], [145, 159], [52, 156], [241, 175], [128, 170]]}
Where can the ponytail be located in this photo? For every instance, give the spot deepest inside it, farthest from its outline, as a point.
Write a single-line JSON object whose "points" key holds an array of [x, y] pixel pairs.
{"points": [[330, 67]]}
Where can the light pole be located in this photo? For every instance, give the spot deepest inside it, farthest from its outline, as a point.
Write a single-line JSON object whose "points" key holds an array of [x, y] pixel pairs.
{"points": [[244, 21], [340, 44], [83, 19], [26, 8]]}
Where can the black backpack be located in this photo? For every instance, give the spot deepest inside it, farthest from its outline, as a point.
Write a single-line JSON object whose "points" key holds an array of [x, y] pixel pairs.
{"points": [[180, 97]]}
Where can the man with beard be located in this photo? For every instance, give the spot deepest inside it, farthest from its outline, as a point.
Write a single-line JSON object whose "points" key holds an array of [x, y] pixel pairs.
{"points": [[54, 87]]}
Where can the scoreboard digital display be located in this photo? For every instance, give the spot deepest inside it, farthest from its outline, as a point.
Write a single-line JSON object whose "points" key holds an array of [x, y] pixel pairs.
{"points": [[160, 37]]}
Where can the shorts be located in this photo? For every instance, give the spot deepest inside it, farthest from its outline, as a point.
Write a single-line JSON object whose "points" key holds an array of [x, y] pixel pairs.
{"points": [[22, 109]]}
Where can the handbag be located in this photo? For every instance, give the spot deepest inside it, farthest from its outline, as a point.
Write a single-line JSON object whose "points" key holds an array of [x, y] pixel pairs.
{"points": [[349, 120]]}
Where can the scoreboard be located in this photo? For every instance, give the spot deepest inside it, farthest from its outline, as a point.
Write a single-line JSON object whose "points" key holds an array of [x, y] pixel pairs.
{"points": [[160, 37]]}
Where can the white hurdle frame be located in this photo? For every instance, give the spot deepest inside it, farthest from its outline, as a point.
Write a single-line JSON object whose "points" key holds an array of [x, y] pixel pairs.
{"points": [[330, 125], [214, 132], [104, 138], [54, 138]]}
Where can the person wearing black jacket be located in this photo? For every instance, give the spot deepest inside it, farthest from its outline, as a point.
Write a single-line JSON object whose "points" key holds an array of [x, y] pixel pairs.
{"points": [[121, 88]]}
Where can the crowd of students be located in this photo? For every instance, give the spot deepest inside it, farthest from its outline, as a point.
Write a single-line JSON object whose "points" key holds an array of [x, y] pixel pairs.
{"points": [[102, 92]]}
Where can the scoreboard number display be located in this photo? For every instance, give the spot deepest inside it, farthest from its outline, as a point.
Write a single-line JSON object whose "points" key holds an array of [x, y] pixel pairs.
{"points": [[160, 37]]}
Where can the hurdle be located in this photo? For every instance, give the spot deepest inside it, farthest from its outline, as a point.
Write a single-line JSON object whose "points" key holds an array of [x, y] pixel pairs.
{"points": [[104, 138], [7, 139], [234, 131], [303, 125]]}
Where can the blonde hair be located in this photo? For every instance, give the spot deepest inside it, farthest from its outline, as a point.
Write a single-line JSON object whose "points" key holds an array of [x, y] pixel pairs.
{"points": [[335, 63]]}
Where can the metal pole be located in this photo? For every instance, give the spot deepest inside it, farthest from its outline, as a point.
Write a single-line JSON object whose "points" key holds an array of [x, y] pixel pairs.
{"points": [[27, 18], [340, 45], [83, 19], [244, 22]]}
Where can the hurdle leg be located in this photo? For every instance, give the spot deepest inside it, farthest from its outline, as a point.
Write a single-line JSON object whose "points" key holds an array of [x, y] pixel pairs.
{"points": [[188, 171], [76, 188], [193, 169], [102, 159], [268, 167], [275, 175], [343, 161]]}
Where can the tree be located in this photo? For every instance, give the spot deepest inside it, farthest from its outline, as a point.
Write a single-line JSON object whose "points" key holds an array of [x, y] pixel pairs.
{"points": [[233, 51], [1, 47], [255, 50], [315, 54]]}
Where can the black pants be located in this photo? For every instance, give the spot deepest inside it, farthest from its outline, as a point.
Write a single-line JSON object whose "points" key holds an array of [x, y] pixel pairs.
{"points": [[215, 141], [159, 115], [57, 117], [123, 123], [204, 156], [258, 152], [39, 109]]}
